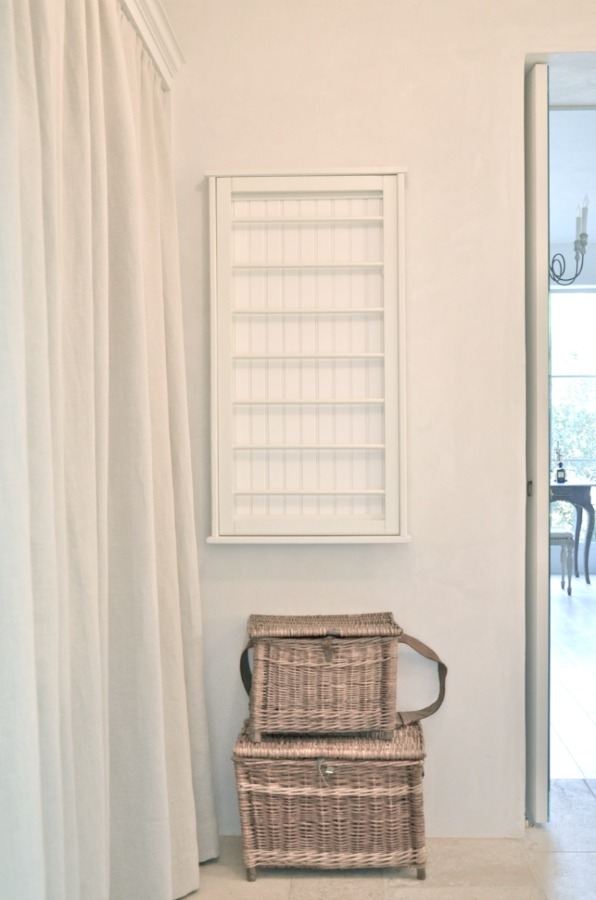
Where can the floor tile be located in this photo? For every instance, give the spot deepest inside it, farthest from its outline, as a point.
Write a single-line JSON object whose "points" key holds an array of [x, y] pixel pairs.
{"points": [[573, 680], [458, 870], [562, 763], [578, 733], [478, 862], [566, 876], [339, 886], [262, 889], [573, 820], [229, 863], [398, 892], [225, 878]]}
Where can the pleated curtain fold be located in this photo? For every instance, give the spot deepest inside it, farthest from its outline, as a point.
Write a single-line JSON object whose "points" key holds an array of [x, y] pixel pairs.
{"points": [[105, 788]]}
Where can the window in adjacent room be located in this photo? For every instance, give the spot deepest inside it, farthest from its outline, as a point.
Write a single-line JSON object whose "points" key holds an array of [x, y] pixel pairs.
{"points": [[573, 391]]}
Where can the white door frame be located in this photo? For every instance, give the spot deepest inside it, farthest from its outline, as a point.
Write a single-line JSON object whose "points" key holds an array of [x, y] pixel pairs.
{"points": [[538, 439]]}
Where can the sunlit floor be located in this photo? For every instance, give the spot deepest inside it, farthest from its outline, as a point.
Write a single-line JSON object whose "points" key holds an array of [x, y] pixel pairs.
{"points": [[555, 862], [552, 862], [573, 680]]}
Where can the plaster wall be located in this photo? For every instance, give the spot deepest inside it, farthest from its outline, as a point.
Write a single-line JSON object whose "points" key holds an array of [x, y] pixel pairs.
{"points": [[438, 88]]}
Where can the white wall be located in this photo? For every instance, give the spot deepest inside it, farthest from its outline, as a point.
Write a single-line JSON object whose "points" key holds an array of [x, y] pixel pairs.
{"points": [[436, 87]]}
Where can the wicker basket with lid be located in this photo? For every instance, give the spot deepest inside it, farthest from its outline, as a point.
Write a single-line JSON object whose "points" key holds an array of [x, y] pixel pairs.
{"points": [[322, 674], [332, 803]]}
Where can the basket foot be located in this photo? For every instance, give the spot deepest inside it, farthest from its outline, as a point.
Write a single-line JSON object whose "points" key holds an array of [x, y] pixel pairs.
{"points": [[251, 873], [421, 873]]}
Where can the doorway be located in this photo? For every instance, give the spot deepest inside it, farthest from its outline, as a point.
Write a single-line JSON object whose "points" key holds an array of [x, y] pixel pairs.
{"points": [[572, 374], [561, 102], [572, 595]]}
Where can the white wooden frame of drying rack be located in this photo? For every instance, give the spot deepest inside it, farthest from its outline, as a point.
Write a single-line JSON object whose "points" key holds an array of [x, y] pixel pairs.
{"points": [[394, 243]]}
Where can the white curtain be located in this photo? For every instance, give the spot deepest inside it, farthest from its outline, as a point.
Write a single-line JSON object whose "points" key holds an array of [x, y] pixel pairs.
{"points": [[105, 789]]}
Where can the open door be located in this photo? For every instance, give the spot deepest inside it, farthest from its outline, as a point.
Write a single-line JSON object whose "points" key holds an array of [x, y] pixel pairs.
{"points": [[538, 501]]}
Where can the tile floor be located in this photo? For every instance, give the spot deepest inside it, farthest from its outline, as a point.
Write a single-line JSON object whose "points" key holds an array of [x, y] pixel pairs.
{"points": [[573, 680], [552, 862]]}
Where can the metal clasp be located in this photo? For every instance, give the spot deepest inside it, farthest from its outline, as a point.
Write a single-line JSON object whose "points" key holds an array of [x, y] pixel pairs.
{"points": [[328, 646], [325, 769]]}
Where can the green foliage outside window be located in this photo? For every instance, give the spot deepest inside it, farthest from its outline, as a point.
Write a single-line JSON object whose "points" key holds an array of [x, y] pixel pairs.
{"points": [[573, 393]]}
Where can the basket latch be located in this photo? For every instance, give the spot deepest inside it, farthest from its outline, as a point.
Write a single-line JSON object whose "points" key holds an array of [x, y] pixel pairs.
{"points": [[325, 770], [328, 646]]}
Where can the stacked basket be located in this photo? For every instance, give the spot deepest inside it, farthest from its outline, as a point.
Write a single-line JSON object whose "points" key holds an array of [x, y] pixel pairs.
{"points": [[328, 774]]}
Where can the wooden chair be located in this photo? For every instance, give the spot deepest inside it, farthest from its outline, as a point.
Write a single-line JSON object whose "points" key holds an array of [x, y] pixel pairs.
{"points": [[564, 540]]}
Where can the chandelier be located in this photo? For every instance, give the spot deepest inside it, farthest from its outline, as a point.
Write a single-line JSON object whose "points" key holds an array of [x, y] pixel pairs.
{"points": [[557, 266]]}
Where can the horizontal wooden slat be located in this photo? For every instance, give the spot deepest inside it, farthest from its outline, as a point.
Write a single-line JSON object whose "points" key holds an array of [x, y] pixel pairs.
{"points": [[311, 311], [314, 186], [377, 264], [310, 493], [274, 448], [323, 220], [366, 401], [289, 356]]}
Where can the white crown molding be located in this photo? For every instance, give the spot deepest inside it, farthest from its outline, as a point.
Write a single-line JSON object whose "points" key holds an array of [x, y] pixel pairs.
{"points": [[151, 22]]}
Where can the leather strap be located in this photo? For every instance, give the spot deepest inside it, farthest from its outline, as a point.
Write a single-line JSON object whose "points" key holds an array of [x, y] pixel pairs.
{"points": [[245, 672], [404, 718]]}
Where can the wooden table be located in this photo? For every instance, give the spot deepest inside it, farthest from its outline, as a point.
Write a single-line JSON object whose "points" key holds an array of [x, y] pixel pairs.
{"points": [[580, 495]]}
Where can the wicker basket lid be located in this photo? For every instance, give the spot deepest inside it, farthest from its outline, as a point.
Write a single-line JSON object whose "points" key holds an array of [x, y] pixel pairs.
{"points": [[406, 743], [351, 625]]}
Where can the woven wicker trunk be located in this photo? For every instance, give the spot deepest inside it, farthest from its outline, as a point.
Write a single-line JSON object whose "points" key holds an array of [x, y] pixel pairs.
{"points": [[332, 803], [323, 674]]}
